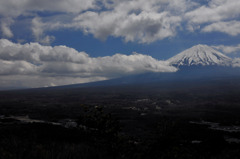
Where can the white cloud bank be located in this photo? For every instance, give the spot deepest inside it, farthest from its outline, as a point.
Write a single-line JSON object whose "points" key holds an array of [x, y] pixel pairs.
{"points": [[133, 20], [35, 65]]}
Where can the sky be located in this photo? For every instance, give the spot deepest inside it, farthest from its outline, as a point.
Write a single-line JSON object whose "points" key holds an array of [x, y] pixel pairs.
{"points": [[58, 42]]}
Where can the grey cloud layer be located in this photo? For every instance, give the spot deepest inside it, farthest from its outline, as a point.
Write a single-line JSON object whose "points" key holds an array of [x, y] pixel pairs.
{"points": [[34, 60], [133, 20]]}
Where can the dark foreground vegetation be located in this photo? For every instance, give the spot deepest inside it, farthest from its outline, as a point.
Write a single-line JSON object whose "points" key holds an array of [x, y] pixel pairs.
{"points": [[183, 120]]}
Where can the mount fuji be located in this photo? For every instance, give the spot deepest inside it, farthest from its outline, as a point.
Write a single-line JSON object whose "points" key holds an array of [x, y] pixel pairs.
{"points": [[200, 55]]}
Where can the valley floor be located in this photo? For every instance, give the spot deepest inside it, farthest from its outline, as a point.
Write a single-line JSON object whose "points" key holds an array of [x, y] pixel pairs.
{"points": [[185, 120]]}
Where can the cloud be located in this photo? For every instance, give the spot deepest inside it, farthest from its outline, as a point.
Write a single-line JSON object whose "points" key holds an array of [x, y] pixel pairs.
{"points": [[38, 32], [215, 11], [231, 27], [236, 62], [144, 27], [5, 27], [228, 49], [16, 67], [148, 21], [33, 81], [136, 20], [13, 8], [216, 16], [132, 20], [33, 60]]}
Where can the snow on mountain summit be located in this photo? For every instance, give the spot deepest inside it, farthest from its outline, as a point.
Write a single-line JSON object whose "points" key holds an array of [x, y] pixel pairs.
{"points": [[200, 55]]}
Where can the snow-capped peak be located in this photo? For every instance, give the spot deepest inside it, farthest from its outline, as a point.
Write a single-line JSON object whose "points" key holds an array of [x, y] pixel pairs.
{"points": [[202, 55]]}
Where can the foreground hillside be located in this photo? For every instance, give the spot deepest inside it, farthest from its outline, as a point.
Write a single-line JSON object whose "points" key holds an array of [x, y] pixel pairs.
{"points": [[188, 119]]}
